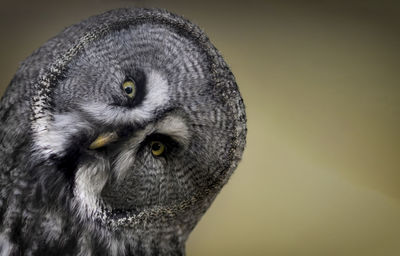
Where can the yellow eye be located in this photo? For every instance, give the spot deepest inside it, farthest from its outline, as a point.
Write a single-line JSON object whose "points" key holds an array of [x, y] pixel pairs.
{"points": [[129, 88], [157, 148]]}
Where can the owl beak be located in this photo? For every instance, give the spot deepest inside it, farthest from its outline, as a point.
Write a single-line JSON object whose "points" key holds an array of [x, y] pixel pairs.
{"points": [[103, 140]]}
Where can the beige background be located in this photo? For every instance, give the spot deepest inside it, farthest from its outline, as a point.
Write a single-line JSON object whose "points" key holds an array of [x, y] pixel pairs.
{"points": [[320, 79]]}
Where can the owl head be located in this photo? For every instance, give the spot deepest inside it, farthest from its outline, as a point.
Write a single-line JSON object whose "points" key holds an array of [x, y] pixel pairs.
{"points": [[136, 122]]}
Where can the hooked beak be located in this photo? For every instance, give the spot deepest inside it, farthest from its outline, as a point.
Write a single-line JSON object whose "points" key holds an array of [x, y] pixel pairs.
{"points": [[103, 140]]}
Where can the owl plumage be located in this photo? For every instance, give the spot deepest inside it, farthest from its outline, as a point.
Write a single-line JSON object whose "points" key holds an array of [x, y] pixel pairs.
{"points": [[116, 135]]}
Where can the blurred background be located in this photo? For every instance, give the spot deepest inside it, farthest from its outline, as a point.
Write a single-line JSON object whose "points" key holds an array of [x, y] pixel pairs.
{"points": [[321, 83]]}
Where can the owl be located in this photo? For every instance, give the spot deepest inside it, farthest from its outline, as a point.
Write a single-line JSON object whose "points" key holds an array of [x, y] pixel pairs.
{"points": [[116, 135]]}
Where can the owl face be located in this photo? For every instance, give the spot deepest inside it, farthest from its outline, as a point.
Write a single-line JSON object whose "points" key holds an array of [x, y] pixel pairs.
{"points": [[143, 124]]}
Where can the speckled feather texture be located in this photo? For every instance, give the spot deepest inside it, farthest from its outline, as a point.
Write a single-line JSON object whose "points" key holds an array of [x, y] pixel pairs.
{"points": [[58, 196]]}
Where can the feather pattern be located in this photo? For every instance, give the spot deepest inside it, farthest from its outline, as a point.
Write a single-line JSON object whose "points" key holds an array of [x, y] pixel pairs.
{"points": [[57, 196]]}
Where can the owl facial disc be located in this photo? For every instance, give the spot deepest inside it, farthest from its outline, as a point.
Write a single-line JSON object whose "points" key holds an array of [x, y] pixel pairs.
{"points": [[150, 114]]}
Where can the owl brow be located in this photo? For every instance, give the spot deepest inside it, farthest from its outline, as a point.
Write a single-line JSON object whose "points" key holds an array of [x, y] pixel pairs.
{"points": [[174, 126]]}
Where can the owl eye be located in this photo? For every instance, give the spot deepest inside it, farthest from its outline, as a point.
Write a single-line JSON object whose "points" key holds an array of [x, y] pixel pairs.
{"points": [[157, 148], [129, 88]]}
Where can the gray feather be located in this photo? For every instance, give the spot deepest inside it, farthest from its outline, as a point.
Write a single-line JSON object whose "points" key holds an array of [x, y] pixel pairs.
{"points": [[58, 196]]}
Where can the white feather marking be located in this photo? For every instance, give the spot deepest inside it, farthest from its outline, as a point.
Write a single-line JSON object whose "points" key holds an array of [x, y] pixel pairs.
{"points": [[57, 136], [124, 161], [157, 96], [6, 246], [175, 127], [89, 182]]}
